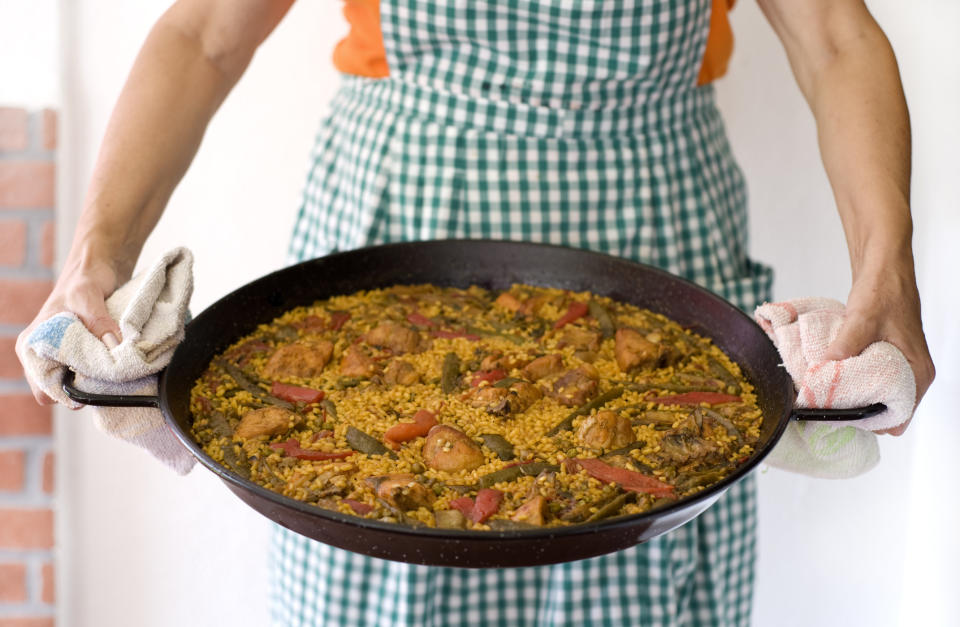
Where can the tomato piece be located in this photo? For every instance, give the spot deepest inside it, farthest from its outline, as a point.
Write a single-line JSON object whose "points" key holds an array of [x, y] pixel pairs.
{"points": [[420, 320], [292, 448], [487, 375], [695, 398], [628, 479], [295, 393], [338, 319], [360, 508], [464, 505], [575, 311], [423, 421], [486, 505]]}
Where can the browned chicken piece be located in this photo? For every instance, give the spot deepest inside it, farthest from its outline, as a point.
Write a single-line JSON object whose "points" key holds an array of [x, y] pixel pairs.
{"points": [[577, 386], [304, 359], [580, 339], [505, 362], [503, 401], [509, 302], [265, 421], [401, 372], [451, 450], [545, 484], [533, 304], [633, 350], [682, 447], [403, 491], [357, 363], [395, 336], [606, 430], [533, 512], [543, 367]]}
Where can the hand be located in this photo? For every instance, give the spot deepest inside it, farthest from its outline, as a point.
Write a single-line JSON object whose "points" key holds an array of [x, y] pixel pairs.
{"points": [[82, 289], [885, 305]]}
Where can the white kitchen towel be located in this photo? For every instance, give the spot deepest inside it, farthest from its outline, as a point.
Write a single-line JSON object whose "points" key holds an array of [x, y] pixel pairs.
{"points": [[151, 310], [802, 330]]}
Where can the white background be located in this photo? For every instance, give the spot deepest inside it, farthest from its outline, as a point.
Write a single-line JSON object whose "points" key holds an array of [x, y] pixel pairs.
{"points": [[140, 546]]}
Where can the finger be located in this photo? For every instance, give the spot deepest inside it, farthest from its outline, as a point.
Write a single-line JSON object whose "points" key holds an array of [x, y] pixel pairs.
{"points": [[90, 307], [855, 335], [39, 395]]}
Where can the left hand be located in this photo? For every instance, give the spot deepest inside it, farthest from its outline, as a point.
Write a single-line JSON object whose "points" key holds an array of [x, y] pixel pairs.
{"points": [[884, 305]]}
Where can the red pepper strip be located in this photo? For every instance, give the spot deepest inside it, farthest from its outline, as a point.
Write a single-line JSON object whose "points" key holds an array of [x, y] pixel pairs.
{"points": [[420, 320], [695, 398], [454, 334], [628, 479], [487, 504], [575, 311], [326, 433], [292, 448], [360, 508], [295, 393], [338, 319], [464, 505], [423, 420], [487, 375]]}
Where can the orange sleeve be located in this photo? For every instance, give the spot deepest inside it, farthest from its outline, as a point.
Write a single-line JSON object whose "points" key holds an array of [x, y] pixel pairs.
{"points": [[361, 52], [719, 43]]}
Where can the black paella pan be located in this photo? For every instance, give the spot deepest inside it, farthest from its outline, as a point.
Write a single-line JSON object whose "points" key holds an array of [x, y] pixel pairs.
{"points": [[494, 265]]}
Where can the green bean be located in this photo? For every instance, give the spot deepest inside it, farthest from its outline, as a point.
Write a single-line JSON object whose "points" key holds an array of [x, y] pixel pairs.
{"points": [[499, 445], [247, 384], [600, 401], [516, 339], [721, 372], [330, 408], [233, 461], [512, 473], [449, 373], [347, 382], [507, 382], [610, 508], [450, 519], [360, 441], [504, 524], [600, 313]]}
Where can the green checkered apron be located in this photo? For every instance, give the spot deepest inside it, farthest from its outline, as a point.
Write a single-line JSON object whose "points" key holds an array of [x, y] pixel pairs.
{"points": [[574, 122]]}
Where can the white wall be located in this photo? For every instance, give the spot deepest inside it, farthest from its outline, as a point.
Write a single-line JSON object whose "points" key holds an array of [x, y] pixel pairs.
{"points": [[147, 548], [29, 53]]}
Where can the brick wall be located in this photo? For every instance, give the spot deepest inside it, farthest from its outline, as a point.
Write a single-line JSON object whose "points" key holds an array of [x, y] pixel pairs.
{"points": [[28, 142]]}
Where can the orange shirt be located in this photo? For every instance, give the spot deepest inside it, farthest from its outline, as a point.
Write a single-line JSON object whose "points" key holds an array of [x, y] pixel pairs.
{"points": [[361, 52]]}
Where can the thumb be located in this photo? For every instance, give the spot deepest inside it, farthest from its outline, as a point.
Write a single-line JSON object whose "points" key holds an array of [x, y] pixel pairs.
{"points": [[90, 306], [854, 336]]}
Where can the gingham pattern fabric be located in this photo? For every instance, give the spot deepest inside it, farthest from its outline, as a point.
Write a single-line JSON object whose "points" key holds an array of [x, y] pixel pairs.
{"points": [[560, 121]]}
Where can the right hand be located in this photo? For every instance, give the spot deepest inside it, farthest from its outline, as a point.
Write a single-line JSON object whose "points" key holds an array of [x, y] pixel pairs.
{"points": [[81, 289]]}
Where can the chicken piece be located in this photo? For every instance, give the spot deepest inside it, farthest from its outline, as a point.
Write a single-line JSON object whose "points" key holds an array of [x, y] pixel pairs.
{"points": [[606, 430], [681, 448], [401, 372], [403, 491], [357, 363], [577, 386], [543, 367], [545, 484], [303, 359], [633, 350], [533, 512], [451, 450], [503, 401], [580, 339], [265, 421], [505, 362], [395, 336], [508, 301]]}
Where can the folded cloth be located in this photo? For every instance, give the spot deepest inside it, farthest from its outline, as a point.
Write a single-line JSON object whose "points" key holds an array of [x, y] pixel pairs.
{"points": [[151, 310], [802, 330]]}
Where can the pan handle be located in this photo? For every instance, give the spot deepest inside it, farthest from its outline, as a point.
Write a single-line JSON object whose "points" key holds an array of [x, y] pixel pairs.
{"points": [[830, 415], [104, 400]]}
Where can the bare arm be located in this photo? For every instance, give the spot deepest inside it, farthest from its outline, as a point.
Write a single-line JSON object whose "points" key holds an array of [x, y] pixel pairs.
{"points": [[847, 72], [192, 58]]}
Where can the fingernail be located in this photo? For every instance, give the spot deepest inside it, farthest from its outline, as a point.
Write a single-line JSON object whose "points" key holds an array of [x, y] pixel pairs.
{"points": [[110, 340]]}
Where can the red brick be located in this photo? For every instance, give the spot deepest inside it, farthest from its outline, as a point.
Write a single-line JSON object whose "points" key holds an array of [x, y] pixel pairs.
{"points": [[21, 415], [48, 244], [26, 528], [13, 583], [47, 584], [9, 364], [13, 242], [48, 469], [20, 300], [27, 184], [11, 470], [13, 129], [14, 621], [49, 118]]}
